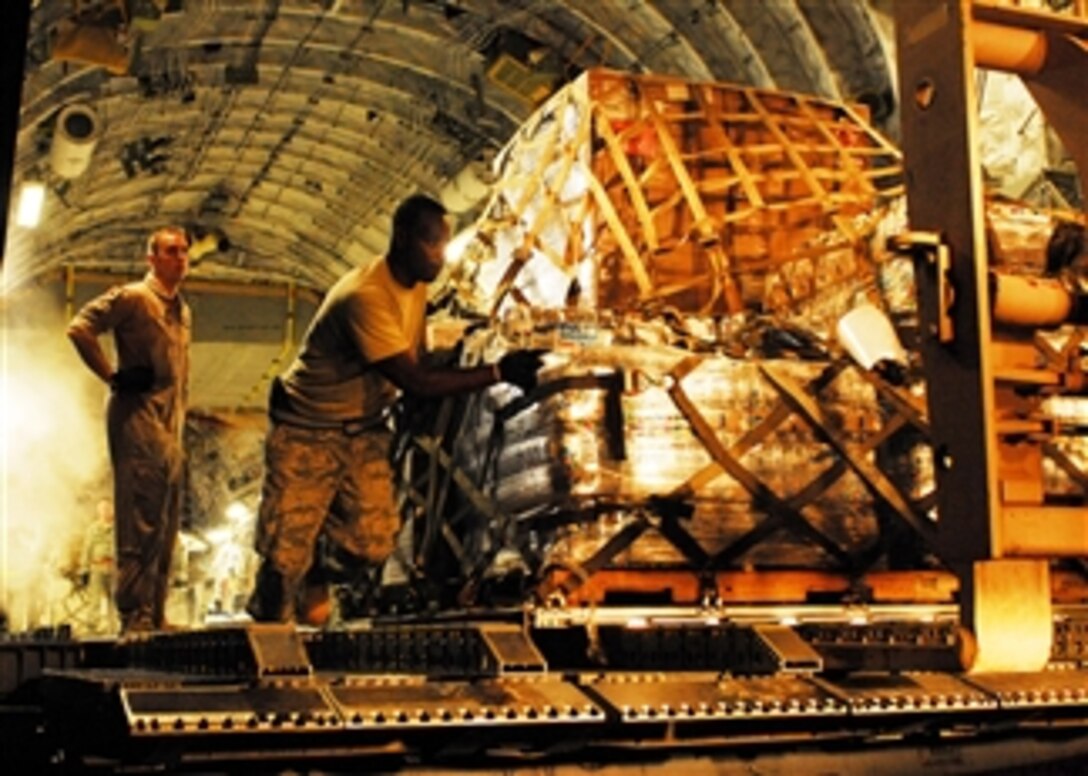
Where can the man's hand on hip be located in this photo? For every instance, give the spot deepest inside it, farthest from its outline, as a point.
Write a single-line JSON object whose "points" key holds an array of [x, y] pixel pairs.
{"points": [[133, 379]]}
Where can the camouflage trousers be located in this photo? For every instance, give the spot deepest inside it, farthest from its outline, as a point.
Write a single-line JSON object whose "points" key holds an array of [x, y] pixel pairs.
{"points": [[319, 480]]}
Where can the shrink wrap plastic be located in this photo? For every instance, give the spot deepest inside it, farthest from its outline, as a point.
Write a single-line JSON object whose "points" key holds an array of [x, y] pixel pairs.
{"points": [[573, 477]]}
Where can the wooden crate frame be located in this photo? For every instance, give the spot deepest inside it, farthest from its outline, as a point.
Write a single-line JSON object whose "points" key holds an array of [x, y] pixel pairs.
{"points": [[648, 191]]}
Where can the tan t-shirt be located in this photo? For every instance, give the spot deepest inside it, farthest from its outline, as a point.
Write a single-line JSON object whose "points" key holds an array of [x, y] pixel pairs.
{"points": [[366, 317]]}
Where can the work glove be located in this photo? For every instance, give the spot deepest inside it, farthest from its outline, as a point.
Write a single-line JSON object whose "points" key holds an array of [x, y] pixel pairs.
{"points": [[892, 371], [785, 338], [519, 367], [133, 379]]}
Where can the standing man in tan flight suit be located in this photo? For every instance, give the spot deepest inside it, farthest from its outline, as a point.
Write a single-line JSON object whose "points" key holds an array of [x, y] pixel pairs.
{"points": [[151, 327], [326, 455]]}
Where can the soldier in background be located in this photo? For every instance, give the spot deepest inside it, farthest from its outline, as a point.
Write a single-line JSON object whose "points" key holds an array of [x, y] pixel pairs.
{"points": [[98, 571]]}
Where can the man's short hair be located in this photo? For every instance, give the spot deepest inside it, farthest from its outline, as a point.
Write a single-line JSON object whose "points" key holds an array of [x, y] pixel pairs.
{"points": [[153, 240], [412, 213]]}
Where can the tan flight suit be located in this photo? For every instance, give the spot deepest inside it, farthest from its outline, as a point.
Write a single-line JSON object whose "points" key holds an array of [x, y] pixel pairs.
{"points": [[144, 431]]}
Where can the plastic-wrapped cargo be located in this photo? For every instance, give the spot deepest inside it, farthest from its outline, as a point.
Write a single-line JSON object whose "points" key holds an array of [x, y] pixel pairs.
{"points": [[646, 192], [607, 463], [642, 225], [605, 438], [684, 251]]}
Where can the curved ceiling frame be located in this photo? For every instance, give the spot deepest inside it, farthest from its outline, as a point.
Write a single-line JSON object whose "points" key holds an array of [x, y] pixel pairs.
{"points": [[338, 63], [144, 189], [121, 132], [114, 245], [556, 24], [780, 32], [106, 181], [846, 33], [392, 169], [381, 33], [663, 49], [368, 154], [669, 50], [382, 73], [711, 29], [422, 73], [578, 40], [381, 99], [112, 242]]}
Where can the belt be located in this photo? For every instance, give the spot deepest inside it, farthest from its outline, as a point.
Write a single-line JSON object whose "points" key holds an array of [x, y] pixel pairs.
{"points": [[351, 426], [281, 411]]}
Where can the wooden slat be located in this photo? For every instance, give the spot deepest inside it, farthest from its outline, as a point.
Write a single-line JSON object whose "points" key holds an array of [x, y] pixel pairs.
{"points": [[771, 122], [715, 126], [759, 491], [1067, 465], [633, 190], [506, 283], [703, 223], [549, 193], [779, 162], [630, 253], [913, 407], [706, 226], [870, 475], [877, 139]]}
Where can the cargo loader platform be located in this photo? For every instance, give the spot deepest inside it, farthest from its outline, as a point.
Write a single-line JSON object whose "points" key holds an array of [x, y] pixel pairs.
{"points": [[545, 688]]}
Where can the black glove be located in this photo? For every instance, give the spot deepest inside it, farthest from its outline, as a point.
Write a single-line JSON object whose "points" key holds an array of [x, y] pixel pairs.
{"points": [[519, 367], [133, 379], [892, 371]]}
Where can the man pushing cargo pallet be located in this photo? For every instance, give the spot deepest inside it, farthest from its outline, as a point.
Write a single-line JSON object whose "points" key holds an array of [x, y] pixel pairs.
{"points": [[327, 451]]}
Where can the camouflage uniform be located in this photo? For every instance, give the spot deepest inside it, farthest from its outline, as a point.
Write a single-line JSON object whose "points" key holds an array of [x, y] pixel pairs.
{"points": [[314, 473], [326, 456], [99, 564]]}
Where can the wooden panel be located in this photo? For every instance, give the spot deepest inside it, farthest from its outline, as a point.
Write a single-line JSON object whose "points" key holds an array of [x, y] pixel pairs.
{"points": [[659, 191], [1044, 531]]}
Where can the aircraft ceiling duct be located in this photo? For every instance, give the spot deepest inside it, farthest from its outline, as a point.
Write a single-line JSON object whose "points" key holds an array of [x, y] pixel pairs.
{"points": [[467, 188], [74, 140]]}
